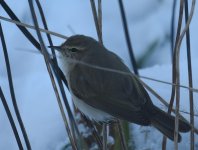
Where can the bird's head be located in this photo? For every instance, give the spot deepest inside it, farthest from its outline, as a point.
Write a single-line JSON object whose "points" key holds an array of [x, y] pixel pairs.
{"points": [[77, 46]]}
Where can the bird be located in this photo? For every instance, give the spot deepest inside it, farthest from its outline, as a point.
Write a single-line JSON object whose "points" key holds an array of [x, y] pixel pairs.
{"points": [[103, 88]]}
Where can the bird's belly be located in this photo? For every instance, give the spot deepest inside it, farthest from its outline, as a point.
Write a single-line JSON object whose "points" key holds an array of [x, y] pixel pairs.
{"points": [[91, 112]]}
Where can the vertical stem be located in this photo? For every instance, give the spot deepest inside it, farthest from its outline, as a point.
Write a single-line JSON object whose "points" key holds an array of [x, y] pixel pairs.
{"points": [[94, 12], [122, 137], [177, 73], [100, 16], [176, 131], [127, 36], [192, 138], [14, 129], [12, 92], [104, 131], [173, 28]]}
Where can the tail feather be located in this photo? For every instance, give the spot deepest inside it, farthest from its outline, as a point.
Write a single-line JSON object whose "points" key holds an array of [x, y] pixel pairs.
{"points": [[167, 132], [166, 124]]}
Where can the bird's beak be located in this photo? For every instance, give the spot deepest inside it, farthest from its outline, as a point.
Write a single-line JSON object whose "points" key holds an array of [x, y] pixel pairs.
{"points": [[58, 48]]}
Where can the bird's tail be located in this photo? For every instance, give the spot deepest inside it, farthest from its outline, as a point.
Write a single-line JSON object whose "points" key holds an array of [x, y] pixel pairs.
{"points": [[165, 123]]}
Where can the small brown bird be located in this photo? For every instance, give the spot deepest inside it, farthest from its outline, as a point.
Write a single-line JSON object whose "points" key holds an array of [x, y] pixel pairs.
{"points": [[105, 94]]}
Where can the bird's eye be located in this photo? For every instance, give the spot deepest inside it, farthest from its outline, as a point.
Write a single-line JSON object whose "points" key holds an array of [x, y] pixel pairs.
{"points": [[73, 50]]}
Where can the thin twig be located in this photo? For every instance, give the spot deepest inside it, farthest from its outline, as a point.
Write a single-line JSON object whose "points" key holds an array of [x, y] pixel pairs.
{"points": [[11, 86], [127, 73], [44, 50], [104, 132], [121, 133], [185, 112], [168, 83], [71, 29], [128, 40], [14, 129], [192, 138], [46, 28], [174, 58], [32, 27], [94, 12], [173, 28], [100, 17]]}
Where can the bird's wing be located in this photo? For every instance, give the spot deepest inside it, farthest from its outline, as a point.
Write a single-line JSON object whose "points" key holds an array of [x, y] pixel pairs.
{"points": [[115, 93]]}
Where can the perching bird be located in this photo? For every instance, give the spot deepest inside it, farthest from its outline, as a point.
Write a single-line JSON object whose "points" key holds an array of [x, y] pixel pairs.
{"points": [[103, 88]]}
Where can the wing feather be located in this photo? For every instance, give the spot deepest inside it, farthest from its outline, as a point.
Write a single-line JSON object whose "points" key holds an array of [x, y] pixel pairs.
{"points": [[109, 91]]}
